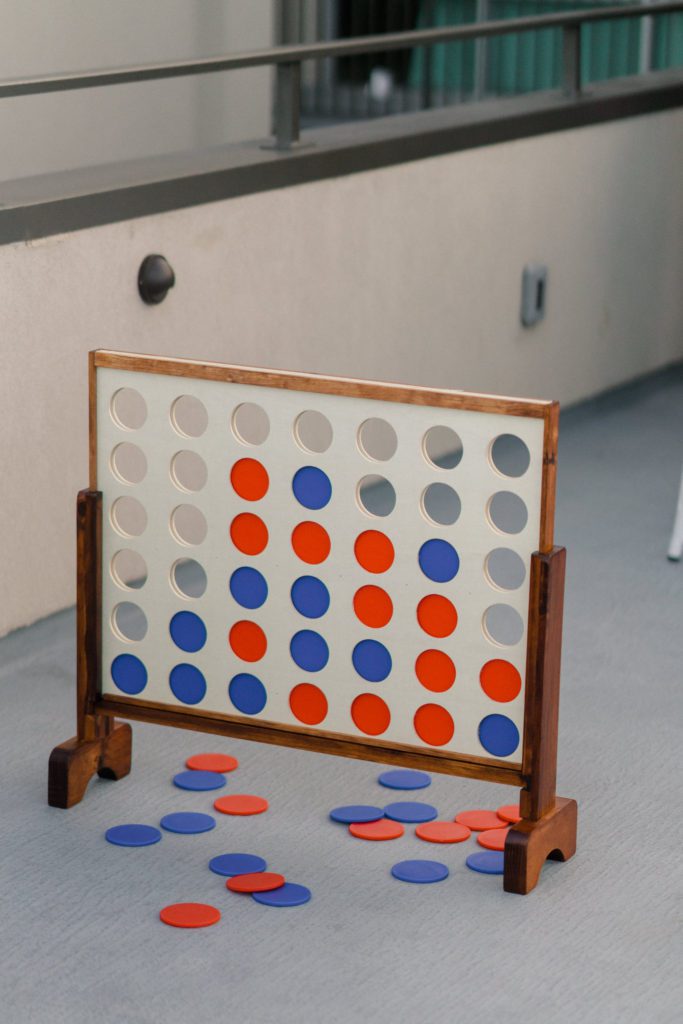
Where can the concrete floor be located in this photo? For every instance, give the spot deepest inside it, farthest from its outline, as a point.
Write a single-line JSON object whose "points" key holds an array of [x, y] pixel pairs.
{"points": [[598, 941]]}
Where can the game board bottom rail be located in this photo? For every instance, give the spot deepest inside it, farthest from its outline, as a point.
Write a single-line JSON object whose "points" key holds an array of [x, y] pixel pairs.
{"points": [[328, 743]]}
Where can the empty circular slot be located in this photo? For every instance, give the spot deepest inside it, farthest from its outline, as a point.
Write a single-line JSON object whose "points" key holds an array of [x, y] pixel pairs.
{"points": [[188, 524], [313, 431], [128, 409], [377, 439], [129, 622], [505, 569], [250, 423], [188, 577], [507, 512], [129, 569], [128, 463], [510, 455], [441, 504], [128, 517], [376, 495], [189, 417], [503, 625], [188, 471], [443, 447]]}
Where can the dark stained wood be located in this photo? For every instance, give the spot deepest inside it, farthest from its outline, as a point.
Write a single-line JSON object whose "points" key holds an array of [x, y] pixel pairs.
{"points": [[530, 843], [74, 763], [542, 693], [92, 418], [549, 478], [310, 739]]}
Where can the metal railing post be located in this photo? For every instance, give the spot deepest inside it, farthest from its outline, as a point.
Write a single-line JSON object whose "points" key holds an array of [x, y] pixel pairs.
{"points": [[571, 60], [287, 104]]}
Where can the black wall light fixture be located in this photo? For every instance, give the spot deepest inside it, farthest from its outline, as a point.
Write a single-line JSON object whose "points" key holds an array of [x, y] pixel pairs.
{"points": [[155, 277]]}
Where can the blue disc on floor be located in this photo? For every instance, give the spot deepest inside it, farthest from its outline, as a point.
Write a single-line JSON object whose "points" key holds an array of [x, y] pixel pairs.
{"points": [[188, 823], [488, 862], [288, 895], [410, 812], [199, 780], [420, 871], [230, 864], [354, 814], [404, 778], [132, 835]]}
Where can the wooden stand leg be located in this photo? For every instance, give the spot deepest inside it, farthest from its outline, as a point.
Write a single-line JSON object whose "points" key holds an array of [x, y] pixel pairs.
{"points": [[101, 744], [73, 764], [530, 843]]}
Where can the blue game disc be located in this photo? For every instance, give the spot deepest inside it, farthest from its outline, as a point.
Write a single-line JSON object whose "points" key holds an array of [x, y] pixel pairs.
{"points": [[371, 660], [410, 812], [309, 650], [248, 587], [230, 864], [187, 631], [439, 560], [498, 735], [488, 862], [404, 778], [354, 814], [188, 823], [247, 693], [312, 487], [199, 780], [288, 895], [132, 835], [129, 674], [421, 871], [310, 597]]}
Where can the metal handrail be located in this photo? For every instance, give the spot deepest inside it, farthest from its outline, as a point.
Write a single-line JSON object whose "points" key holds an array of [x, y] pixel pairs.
{"points": [[288, 59]]}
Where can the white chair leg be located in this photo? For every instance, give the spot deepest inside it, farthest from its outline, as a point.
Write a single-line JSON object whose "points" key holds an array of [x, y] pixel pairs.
{"points": [[676, 545]]}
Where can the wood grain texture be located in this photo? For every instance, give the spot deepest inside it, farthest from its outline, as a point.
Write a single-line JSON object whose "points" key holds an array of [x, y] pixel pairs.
{"points": [[73, 764], [88, 613], [308, 739], [542, 691], [530, 843]]}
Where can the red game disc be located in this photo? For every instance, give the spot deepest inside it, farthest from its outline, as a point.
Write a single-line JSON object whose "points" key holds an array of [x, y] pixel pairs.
{"points": [[478, 821], [377, 830], [258, 881], [211, 763], [493, 838], [241, 803], [190, 915], [442, 832], [510, 812]]}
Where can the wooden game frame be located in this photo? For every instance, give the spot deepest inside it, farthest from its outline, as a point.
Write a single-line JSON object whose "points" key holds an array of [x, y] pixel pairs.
{"points": [[103, 744]]}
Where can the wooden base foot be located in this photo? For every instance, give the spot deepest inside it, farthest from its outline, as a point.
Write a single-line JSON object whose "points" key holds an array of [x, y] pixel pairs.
{"points": [[530, 843], [73, 764]]}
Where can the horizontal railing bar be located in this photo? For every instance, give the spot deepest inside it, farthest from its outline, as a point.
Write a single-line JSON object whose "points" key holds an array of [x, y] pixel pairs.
{"points": [[316, 51]]}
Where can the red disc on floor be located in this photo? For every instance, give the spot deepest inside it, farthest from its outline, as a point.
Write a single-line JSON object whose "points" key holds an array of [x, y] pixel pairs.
{"points": [[257, 881], [241, 803], [190, 915], [211, 763], [442, 832], [493, 838], [510, 812], [478, 821], [377, 830]]}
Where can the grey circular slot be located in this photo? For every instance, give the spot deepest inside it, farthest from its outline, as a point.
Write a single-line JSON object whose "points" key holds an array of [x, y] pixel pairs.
{"points": [[250, 423], [377, 440], [188, 471], [376, 495], [442, 447], [128, 409], [189, 417], [188, 525], [188, 578], [507, 512], [128, 463], [313, 431], [503, 625], [128, 517], [441, 504], [129, 569], [510, 455], [129, 622], [505, 569]]}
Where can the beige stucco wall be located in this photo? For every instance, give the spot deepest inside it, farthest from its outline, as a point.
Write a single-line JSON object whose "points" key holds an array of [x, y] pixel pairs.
{"points": [[409, 273]]}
